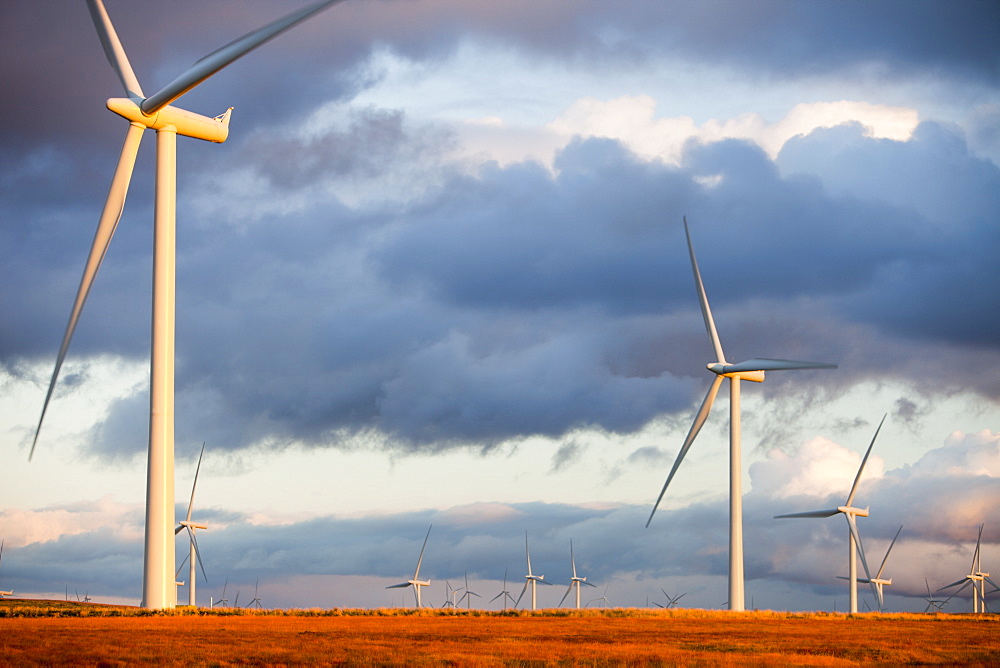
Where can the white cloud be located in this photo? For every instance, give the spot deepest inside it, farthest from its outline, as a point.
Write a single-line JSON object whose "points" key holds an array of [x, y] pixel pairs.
{"points": [[24, 527], [819, 468], [632, 120], [975, 454]]}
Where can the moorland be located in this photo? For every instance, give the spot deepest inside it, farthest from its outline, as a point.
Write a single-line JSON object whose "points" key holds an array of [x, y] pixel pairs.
{"points": [[37, 633]]}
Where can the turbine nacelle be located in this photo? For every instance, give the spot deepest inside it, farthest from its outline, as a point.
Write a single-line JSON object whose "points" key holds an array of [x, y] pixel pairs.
{"points": [[191, 525], [719, 368], [186, 123], [857, 512]]}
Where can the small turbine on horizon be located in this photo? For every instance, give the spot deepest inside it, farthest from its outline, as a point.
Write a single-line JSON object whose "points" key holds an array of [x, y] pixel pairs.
{"points": [[467, 596], [878, 580], [504, 594], [976, 577], [194, 552], [854, 539], [530, 579], [574, 581], [416, 582], [752, 370]]}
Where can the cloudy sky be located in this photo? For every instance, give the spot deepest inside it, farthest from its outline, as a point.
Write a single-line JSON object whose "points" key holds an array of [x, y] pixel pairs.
{"points": [[437, 275]]}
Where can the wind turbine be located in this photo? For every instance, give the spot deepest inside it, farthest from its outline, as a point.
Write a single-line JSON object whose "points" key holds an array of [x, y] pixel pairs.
{"points": [[878, 581], [933, 603], [467, 596], [191, 526], [574, 581], [11, 592], [504, 593], [753, 370], [530, 578], [602, 601], [672, 600], [156, 113], [976, 578], [449, 594], [416, 583], [854, 539], [256, 599], [224, 600]]}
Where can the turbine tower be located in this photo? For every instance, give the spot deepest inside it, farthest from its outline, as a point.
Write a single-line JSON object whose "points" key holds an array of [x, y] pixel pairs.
{"points": [[753, 370], [530, 579], [156, 113], [10, 592], [416, 582], [191, 526], [854, 539], [574, 581]]}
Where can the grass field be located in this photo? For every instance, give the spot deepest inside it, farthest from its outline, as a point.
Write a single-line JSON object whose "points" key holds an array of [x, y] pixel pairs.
{"points": [[56, 633]]}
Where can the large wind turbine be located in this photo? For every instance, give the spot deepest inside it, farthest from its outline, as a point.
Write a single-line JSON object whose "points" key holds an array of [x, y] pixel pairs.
{"points": [[753, 370], [976, 578], [574, 581], [854, 540], [530, 579], [156, 113], [415, 582], [192, 526]]}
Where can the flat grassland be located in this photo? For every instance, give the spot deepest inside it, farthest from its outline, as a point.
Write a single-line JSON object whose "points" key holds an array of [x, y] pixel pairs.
{"points": [[55, 633]]}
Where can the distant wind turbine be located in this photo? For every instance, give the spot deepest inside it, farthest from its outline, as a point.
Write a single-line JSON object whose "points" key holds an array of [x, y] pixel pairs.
{"points": [[449, 594], [504, 594], [223, 600], [672, 600], [878, 580], [11, 591], [854, 539], [752, 370], [932, 603], [602, 601], [256, 598], [156, 113], [976, 577], [467, 596], [415, 582], [575, 581], [530, 579], [191, 526]]}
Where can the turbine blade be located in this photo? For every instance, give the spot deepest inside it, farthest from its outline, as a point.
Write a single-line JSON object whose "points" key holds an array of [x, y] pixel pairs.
{"points": [[113, 49], [706, 311], [956, 582], [197, 553], [225, 55], [195, 484], [588, 584], [572, 559], [110, 216], [811, 513], [526, 553], [179, 568], [421, 558], [857, 478], [764, 364], [523, 589], [886, 557], [699, 420], [568, 590], [399, 586]]}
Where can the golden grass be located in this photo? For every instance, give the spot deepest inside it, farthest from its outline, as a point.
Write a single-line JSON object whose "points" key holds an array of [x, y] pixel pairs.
{"points": [[56, 633]]}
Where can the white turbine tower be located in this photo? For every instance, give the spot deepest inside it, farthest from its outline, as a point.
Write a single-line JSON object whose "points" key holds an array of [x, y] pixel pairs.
{"points": [[191, 526], [530, 579], [976, 577], [415, 582], [753, 370], [854, 539], [11, 591], [574, 581], [156, 113], [880, 582]]}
